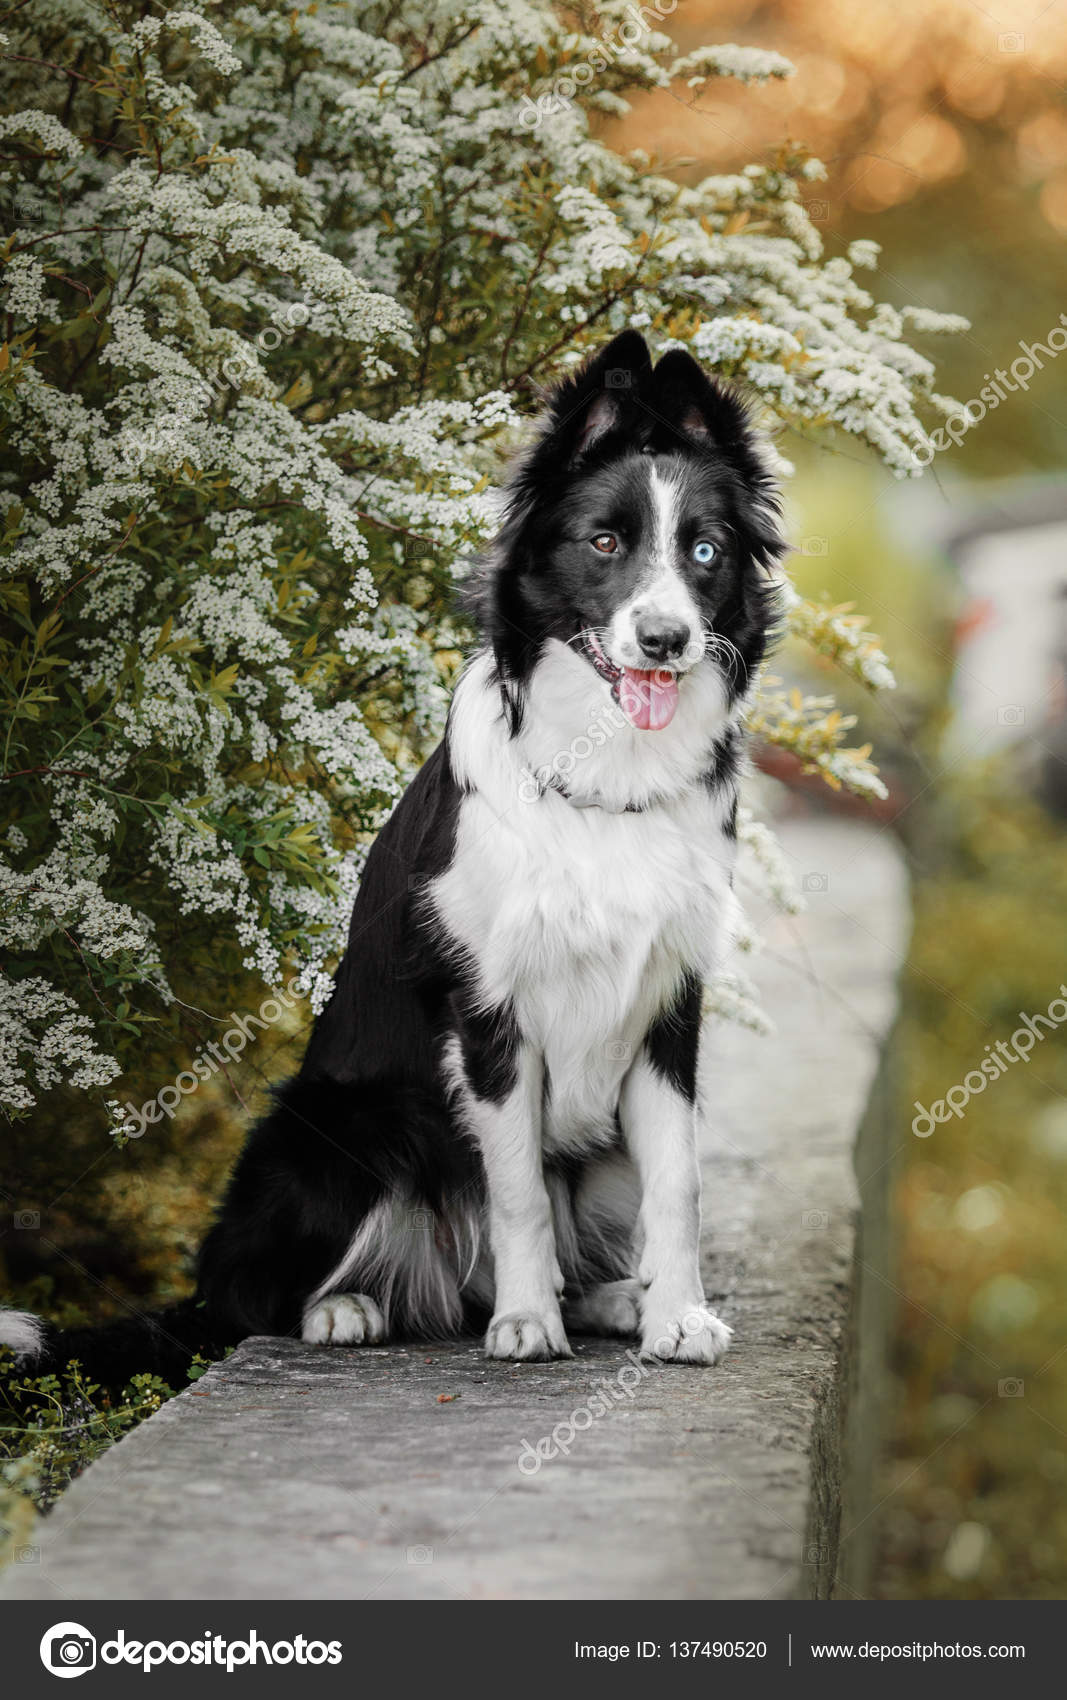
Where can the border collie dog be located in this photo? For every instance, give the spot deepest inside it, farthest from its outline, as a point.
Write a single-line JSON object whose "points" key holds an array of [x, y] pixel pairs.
{"points": [[495, 1121]]}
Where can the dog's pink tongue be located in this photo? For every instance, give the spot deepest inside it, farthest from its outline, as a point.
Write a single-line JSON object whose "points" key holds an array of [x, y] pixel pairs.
{"points": [[648, 700]]}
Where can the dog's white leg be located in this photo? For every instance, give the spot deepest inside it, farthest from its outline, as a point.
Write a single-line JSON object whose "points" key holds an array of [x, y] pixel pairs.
{"points": [[526, 1319], [659, 1124]]}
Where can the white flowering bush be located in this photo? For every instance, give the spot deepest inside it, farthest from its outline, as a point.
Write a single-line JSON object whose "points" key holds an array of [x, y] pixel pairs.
{"points": [[279, 283]]}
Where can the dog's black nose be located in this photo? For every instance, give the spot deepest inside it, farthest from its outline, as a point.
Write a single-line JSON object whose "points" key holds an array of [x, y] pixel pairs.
{"points": [[660, 637]]}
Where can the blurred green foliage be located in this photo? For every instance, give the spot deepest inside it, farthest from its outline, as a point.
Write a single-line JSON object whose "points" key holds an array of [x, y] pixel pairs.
{"points": [[977, 1507], [974, 1486]]}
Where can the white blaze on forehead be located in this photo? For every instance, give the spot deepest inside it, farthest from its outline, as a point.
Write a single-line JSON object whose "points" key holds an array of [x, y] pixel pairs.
{"points": [[665, 493], [662, 589]]}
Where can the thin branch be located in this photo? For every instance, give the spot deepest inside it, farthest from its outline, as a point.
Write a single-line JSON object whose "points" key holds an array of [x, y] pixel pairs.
{"points": [[61, 277], [49, 64], [524, 299], [60, 772], [553, 348], [67, 934], [431, 58], [72, 230], [402, 530], [71, 588]]}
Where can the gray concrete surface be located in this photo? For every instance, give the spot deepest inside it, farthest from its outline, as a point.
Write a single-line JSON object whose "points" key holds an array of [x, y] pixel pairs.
{"points": [[303, 1472]]}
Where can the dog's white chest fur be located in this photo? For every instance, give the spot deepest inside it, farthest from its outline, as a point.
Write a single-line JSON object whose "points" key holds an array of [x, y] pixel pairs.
{"points": [[584, 921]]}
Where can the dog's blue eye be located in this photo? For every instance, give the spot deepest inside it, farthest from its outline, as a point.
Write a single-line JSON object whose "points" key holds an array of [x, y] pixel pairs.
{"points": [[703, 552]]}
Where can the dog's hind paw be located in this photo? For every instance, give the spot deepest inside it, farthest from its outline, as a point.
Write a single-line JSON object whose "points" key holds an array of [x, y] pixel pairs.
{"points": [[525, 1336], [344, 1319], [693, 1336], [611, 1308]]}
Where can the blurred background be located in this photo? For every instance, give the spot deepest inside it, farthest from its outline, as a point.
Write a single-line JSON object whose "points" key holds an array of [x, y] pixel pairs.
{"points": [[944, 133]]}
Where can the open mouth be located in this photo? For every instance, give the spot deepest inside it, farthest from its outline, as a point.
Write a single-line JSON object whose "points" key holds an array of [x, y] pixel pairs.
{"points": [[648, 699]]}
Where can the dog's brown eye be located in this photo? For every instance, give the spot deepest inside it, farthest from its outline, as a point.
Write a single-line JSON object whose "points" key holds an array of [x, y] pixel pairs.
{"points": [[606, 543]]}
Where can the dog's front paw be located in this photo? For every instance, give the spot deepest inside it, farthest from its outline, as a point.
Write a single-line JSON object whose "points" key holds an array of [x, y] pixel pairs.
{"points": [[526, 1335], [690, 1336], [344, 1319]]}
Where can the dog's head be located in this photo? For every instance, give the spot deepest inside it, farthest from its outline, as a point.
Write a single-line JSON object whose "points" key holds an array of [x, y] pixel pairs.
{"points": [[640, 530]]}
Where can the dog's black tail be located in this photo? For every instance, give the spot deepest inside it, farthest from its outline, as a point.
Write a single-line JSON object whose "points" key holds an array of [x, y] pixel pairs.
{"points": [[162, 1342]]}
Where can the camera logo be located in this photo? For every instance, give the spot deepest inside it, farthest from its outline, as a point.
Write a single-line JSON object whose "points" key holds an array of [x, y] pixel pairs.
{"points": [[68, 1649]]}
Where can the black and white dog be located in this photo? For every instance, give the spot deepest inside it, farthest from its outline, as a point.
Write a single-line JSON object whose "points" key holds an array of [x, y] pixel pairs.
{"points": [[495, 1119]]}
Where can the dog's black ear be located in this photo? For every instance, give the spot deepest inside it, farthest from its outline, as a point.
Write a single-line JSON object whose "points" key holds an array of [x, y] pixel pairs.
{"points": [[598, 401], [693, 409], [692, 412]]}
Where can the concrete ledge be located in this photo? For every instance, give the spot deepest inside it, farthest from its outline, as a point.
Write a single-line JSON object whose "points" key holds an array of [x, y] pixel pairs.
{"points": [[303, 1473]]}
